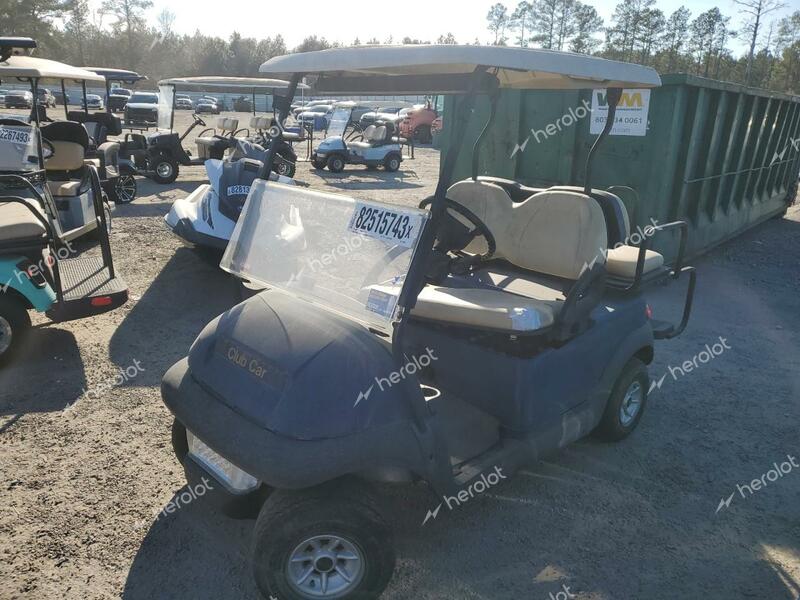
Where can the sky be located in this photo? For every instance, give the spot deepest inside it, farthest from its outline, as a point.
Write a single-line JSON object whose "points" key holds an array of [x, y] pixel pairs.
{"points": [[343, 22]]}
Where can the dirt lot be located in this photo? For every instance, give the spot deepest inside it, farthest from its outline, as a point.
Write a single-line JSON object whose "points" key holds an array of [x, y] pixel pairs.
{"points": [[86, 474]]}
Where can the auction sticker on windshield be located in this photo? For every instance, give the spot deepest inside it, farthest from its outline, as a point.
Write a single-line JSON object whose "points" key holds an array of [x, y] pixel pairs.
{"points": [[14, 136], [394, 226]]}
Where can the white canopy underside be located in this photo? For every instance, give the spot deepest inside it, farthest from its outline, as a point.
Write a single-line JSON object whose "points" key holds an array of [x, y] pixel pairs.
{"points": [[230, 84], [518, 68], [41, 68]]}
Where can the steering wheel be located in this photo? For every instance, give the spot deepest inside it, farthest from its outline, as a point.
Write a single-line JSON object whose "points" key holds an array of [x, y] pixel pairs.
{"points": [[454, 235], [198, 120]]}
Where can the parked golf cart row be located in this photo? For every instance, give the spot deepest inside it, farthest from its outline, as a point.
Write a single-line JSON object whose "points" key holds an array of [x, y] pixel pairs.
{"points": [[51, 196]]}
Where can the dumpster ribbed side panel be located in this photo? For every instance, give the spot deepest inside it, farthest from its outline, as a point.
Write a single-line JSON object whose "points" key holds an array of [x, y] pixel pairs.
{"points": [[720, 156]]}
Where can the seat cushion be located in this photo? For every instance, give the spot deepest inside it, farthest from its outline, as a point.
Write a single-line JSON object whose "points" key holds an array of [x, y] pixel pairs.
{"points": [[64, 188], [621, 261], [18, 223], [536, 286], [489, 309]]}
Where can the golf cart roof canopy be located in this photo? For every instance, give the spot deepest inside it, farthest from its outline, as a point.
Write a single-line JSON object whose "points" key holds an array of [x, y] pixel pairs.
{"points": [[28, 67], [444, 69], [230, 84], [117, 74]]}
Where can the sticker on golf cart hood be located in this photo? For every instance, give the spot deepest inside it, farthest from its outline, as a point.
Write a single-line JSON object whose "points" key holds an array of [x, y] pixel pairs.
{"points": [[381, 302], [631, 116], [393, 226]]}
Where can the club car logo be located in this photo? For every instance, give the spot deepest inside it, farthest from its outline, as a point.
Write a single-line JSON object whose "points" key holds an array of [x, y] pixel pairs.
{"points": [[255, 365], [476, 487], [238, 190]]}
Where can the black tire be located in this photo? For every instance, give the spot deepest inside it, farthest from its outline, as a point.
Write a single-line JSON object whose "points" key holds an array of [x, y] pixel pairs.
{"points": [[14, 325], [336, 163], [165, 170], [345, 509], [422, 134], [125, 189], [284, 167], [632, 378], [392, 162], [317, 163]]}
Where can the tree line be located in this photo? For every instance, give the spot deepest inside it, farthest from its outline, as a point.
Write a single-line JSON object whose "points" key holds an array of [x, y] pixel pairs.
{"points": [[118, 35], [641, 32]]}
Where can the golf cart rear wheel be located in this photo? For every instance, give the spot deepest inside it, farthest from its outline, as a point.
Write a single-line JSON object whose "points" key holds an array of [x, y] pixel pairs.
{"points": [[165, 170], [125, 189], [14, 324], [336, 164], [626, 403], [326, 542], [392, 163]]}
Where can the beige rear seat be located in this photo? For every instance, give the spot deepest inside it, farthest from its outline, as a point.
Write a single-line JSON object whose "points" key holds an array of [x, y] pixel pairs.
{"points": [[621, 261], [64, 188], [18, 223]]}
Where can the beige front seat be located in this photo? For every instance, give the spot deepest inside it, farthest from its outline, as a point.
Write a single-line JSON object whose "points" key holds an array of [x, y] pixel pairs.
{"points": [[548, 240]]}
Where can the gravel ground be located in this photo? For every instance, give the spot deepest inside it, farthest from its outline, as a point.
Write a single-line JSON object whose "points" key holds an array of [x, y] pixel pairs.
{"points": [[85, 474]]}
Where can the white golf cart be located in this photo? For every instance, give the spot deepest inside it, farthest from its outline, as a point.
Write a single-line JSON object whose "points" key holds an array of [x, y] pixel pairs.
{"points": [[66, 175]]}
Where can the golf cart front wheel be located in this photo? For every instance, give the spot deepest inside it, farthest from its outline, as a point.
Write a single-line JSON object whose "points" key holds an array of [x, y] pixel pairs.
{"points": [[165, 171], [284, 167], [14, 324], [125, 189], [326, 542], [336, 164], [626, 403], [392, 163]]}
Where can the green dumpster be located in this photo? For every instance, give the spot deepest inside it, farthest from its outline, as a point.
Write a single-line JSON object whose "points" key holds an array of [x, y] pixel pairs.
{"points": [[720, 156]]}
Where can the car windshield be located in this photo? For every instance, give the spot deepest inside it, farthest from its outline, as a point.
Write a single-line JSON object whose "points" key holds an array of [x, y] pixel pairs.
{"points": [[18, 148], [144, 99], [346, 255]]}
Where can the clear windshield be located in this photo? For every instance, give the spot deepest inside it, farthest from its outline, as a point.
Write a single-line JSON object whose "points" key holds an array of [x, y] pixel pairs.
{"points": [[18, 148], [339, 121], [165, 96], [348, 256]]}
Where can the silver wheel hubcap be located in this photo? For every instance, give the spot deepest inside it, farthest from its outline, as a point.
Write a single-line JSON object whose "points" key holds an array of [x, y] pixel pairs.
{"points": [[325, 566], [6, 335], [631, 404], [164, 170]]}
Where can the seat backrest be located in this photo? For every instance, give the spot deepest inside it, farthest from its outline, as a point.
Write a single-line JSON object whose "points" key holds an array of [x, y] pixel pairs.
{"points": [[379, 134], [368, 133], [617, 220], [260, 123], [226, 124], [552, 232], [70, 142]]}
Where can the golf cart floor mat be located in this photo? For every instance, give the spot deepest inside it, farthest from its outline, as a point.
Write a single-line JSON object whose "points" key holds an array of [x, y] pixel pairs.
{"points": [[88, 289]]}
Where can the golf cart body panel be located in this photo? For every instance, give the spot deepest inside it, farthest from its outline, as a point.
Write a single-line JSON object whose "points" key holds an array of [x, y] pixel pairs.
{"points": [[41, 298]]}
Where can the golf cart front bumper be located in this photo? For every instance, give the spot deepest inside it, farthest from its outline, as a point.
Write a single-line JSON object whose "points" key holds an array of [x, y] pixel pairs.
{"points": [[275, 460]]}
